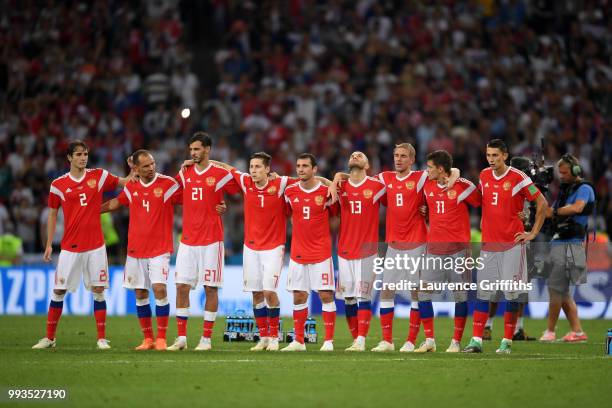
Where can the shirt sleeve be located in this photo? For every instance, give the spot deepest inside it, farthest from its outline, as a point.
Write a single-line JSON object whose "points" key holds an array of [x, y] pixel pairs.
{"points": [[474, 198], [530, 192], [382, 192], [585, 193], [228, 184], [55, 197], [180, 177], [241, 178], [124, 198], [108, 181], [173, 192]]}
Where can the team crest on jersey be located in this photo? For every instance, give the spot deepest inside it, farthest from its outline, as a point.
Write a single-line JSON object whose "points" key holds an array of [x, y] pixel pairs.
{"points": [[368, 193], [319, 200], [410, 185], [452, 194], [91, 183], [158, 192], [271, 190], [507, 185], [210, 181]]}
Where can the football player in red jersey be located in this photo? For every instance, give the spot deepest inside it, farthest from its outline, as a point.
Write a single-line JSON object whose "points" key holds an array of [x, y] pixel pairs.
{"points": [[311, 266], [504, 191], [83, 254], [406, 235], [448, 244], [200, 255], [151, 201], [265, 225], [359, 198], [265, 228]]}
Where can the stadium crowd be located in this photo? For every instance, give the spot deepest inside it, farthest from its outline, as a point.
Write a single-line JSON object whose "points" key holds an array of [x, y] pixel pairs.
{"points": [[324, 77]]}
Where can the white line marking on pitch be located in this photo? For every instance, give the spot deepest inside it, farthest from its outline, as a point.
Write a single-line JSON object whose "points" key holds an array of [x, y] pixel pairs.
{"points": [[312, 360]]}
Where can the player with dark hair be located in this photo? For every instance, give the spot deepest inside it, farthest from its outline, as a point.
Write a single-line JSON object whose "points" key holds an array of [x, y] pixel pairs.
{"points": [[265, 228], [200, 256], [83, 254], [504, 191], [151, 201], [447, 244], [311, 266]]}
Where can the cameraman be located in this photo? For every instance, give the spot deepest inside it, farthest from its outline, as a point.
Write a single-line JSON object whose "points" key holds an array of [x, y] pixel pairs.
{"points": [[567, 259]]}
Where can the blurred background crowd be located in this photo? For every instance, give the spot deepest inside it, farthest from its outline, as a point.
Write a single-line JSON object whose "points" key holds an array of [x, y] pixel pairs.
{"points": [[327, 77]]}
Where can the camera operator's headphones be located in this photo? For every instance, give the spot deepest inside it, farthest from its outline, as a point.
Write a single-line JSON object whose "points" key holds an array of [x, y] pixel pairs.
{"points": [[574, 166]]}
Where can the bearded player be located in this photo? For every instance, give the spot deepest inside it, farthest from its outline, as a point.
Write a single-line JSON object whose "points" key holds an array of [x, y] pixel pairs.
{"points": [[359, 198], [200, 256], [310, 266]]}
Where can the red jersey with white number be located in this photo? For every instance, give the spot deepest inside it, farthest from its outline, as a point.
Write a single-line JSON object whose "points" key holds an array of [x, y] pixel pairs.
{"points": [[503, 198], [359, 205], [310, 212], [81, 201], [405, 224], [151, 215], [202, 192], [449, 218], [265, 220]]}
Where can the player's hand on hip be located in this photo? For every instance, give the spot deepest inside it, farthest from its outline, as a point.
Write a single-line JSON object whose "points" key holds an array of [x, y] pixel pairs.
{"points": [[523, 237], [221, 208], [47, 254]]}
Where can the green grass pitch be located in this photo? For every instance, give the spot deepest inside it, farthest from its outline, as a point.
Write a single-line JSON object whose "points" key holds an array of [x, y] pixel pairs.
{"points": [[535, 375]]}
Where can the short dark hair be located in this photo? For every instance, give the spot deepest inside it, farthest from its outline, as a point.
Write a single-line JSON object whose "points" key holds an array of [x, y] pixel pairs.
{"points": [[498, 144], [72, 146], [136, 155], [313, 159], [201, 137], [441, 158], [263, 156]]}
